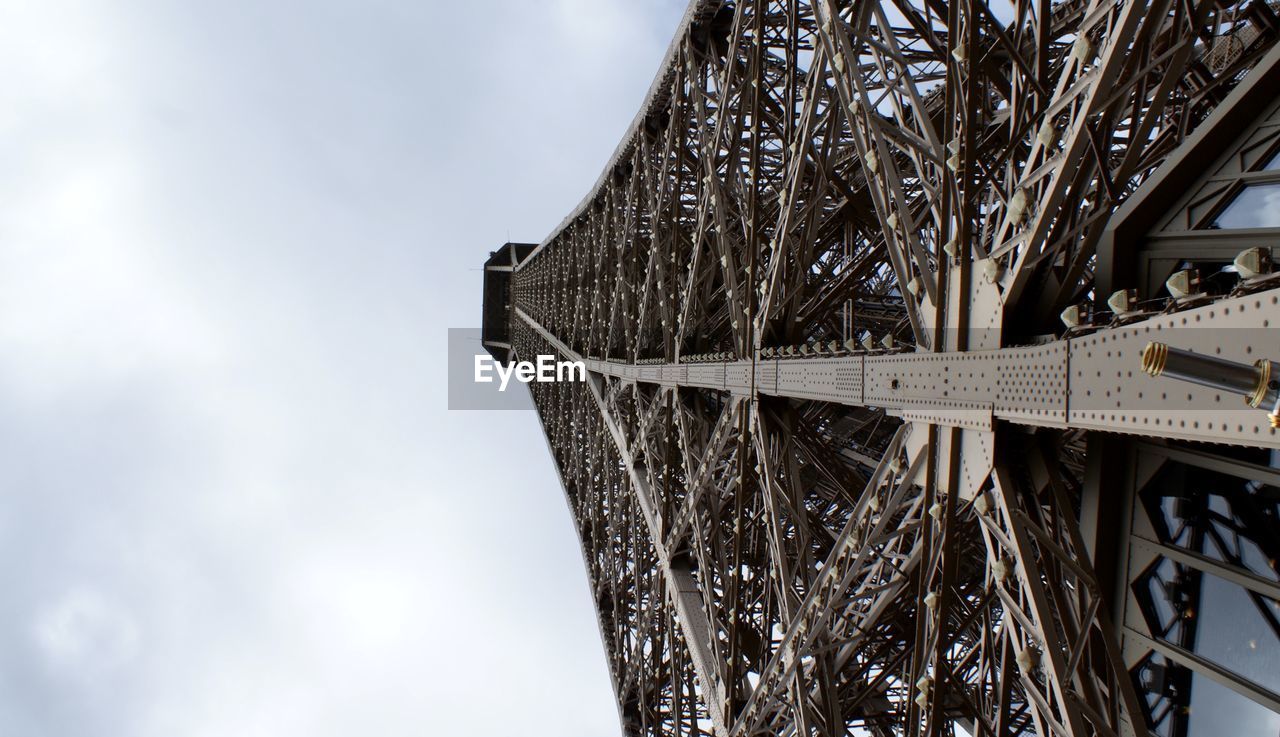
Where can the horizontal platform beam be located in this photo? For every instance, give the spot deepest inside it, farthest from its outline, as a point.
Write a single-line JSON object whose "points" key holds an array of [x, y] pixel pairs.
{"points": [[1092, 382]]}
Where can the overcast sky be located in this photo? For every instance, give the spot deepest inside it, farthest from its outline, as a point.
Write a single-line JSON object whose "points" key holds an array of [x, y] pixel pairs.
{"points": [[232, 236]]}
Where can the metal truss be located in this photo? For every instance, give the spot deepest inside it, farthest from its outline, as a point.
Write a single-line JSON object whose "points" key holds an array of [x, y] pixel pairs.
{"points": [[829, 466]]}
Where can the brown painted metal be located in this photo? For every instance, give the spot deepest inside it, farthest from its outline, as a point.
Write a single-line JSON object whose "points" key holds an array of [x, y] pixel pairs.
{"points": [[929, 175]]}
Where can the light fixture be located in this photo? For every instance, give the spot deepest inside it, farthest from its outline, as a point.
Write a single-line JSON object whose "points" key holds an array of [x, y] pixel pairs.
{"points": [[1071, 316], [1183, 284], [1123, 301], [1253, 262]]}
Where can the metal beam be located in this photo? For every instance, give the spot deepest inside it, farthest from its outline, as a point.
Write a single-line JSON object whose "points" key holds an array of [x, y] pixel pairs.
{"points": [[1093, 382]]}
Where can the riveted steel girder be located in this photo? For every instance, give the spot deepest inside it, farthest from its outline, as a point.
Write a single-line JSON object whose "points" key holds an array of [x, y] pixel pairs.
{"points": [[829, 468]]}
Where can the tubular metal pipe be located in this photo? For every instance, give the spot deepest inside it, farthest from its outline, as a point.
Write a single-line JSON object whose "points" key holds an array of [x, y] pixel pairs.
{"points": [[1259, 383]]}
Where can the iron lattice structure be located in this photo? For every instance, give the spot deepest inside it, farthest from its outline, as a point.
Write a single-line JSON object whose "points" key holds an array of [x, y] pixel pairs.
{"points": [[838, 467]]}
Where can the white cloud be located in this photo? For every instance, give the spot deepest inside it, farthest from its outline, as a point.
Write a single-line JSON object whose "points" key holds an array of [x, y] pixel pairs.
{"points": [[81, 299], [232, 237], [82, 633], [597, 27]]}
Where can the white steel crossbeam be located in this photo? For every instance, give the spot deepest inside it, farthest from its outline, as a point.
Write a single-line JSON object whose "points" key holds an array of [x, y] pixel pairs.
{"points": [[1092, 382], [682, 589]]}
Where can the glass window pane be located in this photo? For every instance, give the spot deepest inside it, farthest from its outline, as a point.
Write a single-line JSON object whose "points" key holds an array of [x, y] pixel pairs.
{"points": [[1236, 522], [1165, 686], [1217, 710], [1229, 519], [1237, 631], [1274, 161], [1257, 206], [1183, 703]]}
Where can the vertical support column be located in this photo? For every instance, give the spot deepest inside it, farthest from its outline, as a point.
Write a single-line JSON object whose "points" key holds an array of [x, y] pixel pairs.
{"points": [[682, 587]]}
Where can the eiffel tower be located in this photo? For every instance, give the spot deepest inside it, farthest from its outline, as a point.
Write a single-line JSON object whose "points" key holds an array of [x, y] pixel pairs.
{"points": [[932, 371]]}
